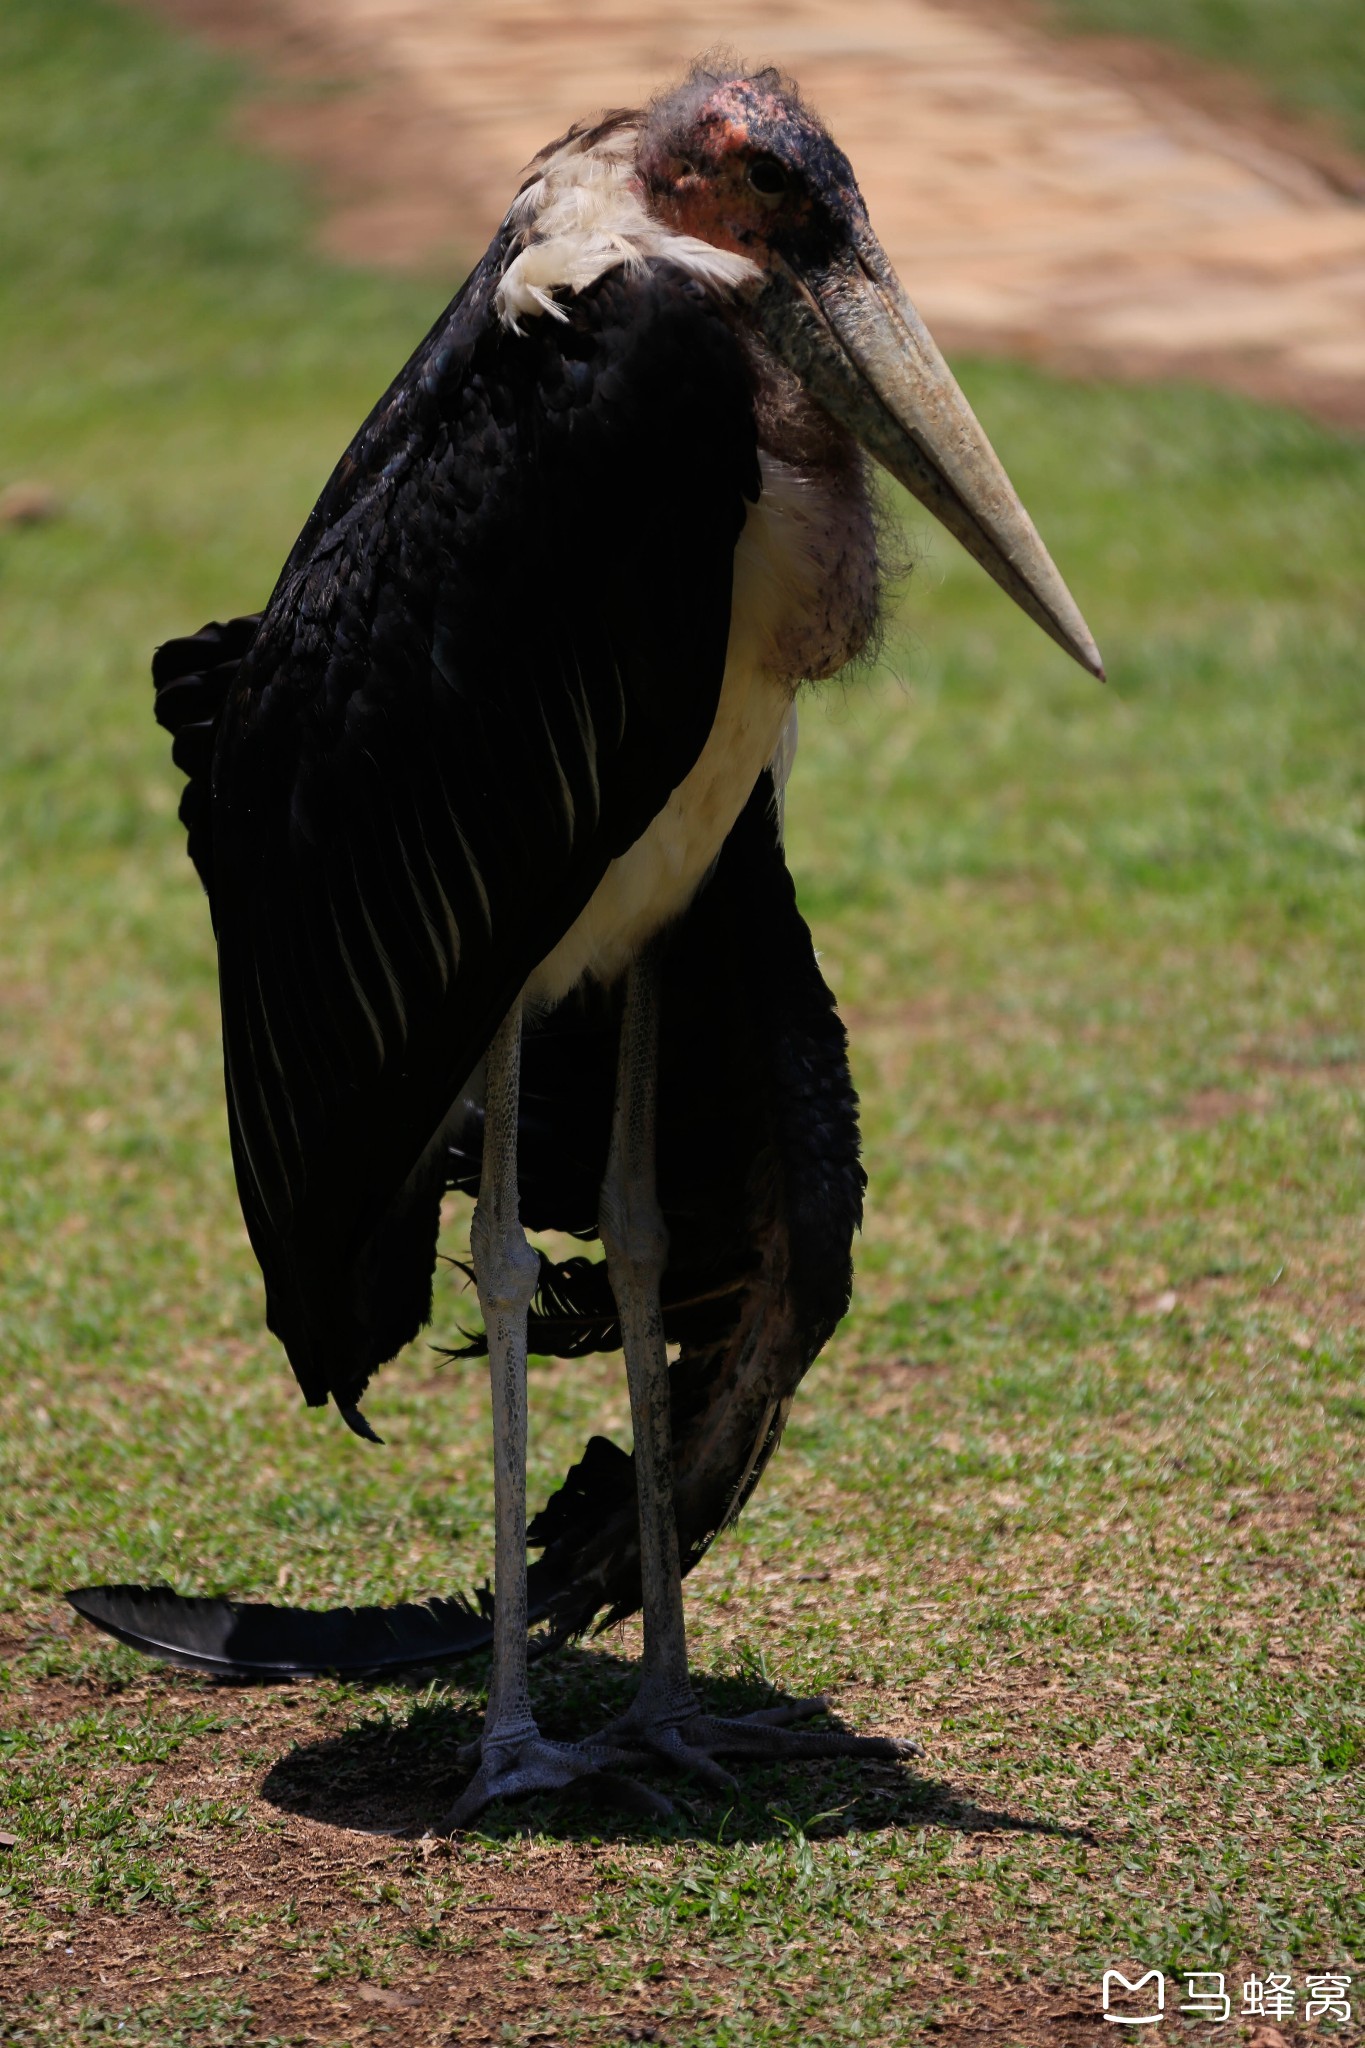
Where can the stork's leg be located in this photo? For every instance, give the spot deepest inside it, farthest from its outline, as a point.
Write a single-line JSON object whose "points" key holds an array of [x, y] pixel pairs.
{"points": [[666, 1717], [514, 1757]]}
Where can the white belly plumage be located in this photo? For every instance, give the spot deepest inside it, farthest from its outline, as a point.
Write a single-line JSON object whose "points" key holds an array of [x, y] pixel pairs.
{"points": [[655, 879]]}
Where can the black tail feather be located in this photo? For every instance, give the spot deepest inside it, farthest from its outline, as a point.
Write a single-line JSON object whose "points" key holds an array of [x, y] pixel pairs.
{"points": [[252, 1640]]}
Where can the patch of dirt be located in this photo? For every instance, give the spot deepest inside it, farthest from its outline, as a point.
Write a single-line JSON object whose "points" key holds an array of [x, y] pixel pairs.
{"points": [[1098, 205], [1209, 1106], [888, 1385], [330, 1929], [1328, 1073]]}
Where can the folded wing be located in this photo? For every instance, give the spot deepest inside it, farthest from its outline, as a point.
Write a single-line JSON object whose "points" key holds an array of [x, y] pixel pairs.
{"points": [[495, 649]]}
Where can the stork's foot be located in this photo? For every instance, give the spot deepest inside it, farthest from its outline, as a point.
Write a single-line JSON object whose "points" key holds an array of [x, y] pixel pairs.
{"points": [[691, 1740], [531, 1763]]}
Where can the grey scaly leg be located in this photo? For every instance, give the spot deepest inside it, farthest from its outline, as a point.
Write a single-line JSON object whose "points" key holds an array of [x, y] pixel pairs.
{"points": [[666, 1717], [514, 1757], [635, 1238]]}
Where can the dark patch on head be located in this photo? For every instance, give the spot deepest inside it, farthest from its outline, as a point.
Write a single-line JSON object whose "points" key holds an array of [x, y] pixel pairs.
{"points": [[721, 122]]}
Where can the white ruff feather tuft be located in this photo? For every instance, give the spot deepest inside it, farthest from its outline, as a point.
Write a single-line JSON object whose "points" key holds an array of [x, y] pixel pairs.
{"points": [[583, 216]]}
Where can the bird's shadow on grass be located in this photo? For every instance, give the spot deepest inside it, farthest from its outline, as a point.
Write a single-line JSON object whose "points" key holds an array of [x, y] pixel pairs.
{"points": [[397, 1772]]}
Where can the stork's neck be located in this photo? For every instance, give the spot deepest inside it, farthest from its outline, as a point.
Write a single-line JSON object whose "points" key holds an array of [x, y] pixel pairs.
{"points": [[824, 526]]}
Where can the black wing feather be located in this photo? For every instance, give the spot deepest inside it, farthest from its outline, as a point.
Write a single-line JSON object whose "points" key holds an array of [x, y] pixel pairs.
{"points": [[494, 651], [192, 678]]}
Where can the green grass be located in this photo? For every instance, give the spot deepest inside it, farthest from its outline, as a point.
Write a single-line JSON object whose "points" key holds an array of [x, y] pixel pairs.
{"points": [[1075, 1497], [1308, 54]]}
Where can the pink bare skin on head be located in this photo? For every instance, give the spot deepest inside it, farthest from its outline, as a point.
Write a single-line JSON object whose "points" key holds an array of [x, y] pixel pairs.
{"points": [[727, 167]]}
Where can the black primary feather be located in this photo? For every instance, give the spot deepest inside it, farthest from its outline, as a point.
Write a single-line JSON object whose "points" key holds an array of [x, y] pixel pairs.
{"points": [[358, 1426]]}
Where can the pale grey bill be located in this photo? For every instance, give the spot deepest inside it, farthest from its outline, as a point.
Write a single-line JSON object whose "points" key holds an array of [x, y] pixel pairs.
{"points": [[862, 351]]}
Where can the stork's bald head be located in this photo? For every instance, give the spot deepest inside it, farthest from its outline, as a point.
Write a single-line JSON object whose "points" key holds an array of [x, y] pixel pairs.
{"points": [[740, 161]]}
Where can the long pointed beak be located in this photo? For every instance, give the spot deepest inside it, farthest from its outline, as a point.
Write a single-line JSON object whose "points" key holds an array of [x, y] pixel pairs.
{"points": [[862, 351]]}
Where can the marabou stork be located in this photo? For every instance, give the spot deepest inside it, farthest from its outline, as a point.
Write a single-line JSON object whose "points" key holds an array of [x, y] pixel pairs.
{"points": [[487, 806]]}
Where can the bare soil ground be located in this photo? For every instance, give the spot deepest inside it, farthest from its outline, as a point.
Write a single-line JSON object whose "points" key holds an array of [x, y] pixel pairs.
{"points": [[1080, 203], [406, 1937]]}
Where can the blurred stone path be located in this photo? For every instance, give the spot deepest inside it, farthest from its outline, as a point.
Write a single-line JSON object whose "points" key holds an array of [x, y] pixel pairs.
{"points": [[1031, 205]]}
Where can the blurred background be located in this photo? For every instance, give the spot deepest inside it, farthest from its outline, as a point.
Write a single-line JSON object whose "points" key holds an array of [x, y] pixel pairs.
{"points": [[1050, 185], [1080, 1478]]}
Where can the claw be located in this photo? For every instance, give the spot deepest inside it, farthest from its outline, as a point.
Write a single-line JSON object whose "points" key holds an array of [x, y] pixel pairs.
{"points": [[691, 1740], [533, 1764]]}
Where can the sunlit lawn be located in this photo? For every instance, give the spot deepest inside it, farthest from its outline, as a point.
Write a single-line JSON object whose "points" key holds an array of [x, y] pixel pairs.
{"points": [[1074, 1498]]}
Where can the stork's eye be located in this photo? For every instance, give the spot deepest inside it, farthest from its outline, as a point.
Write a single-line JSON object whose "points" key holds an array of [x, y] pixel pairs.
{"points": [[768, 179]]}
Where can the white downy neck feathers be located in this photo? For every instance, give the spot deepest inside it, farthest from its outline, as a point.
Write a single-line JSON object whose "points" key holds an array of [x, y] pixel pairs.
{"points": [[583, 215]]}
